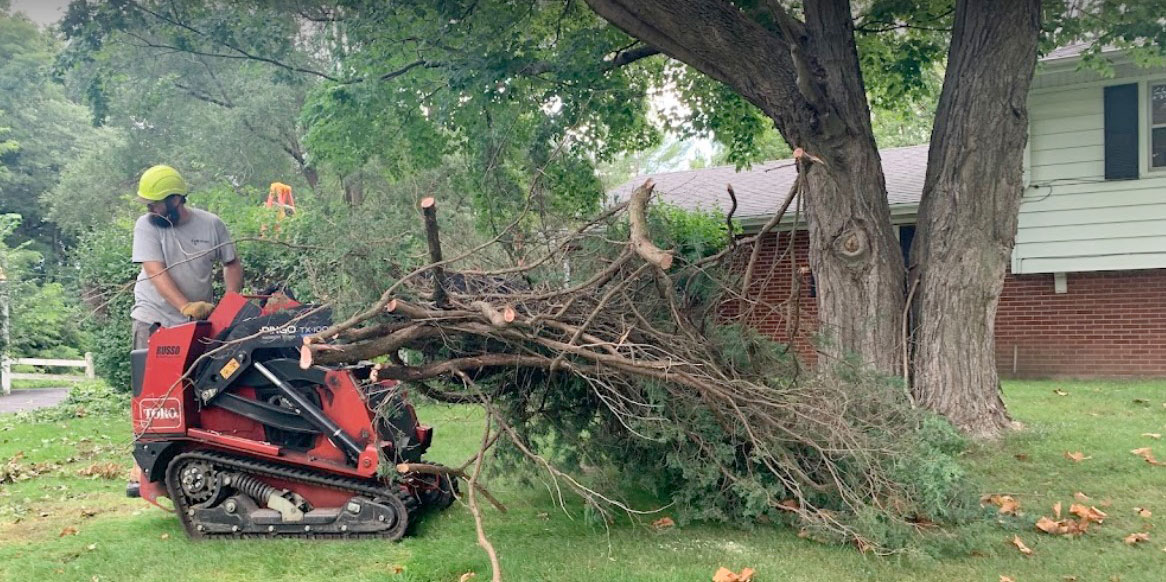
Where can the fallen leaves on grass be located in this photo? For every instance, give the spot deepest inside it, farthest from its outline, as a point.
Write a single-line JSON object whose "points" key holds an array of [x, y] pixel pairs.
{"points": [[1087, 513], [726, 575], [465, 577], [1136, 537], [1070, 527], [1142, 512], [68, 531], [1147, 455], [1076, 456], [1004, 578], [396, 568], [663, 523], [1007, 504], [13, 470], [164, 537], [1016, 541], [1153, 435], [1060, 392], [101, 471], [1083, 498], [1063, 527]]}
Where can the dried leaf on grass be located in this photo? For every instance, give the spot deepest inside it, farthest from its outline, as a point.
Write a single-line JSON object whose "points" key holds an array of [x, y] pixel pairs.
{"points": [[663, 523], [68, 531], [1004, 578], [1083, 498], [1087, 513], [102, 471], [465, 577], [1153, 435], [396, 568], [1057, 510], [1060, 392], [1136, 537], [1147, 455], [726, 575], [1063, 527], [1076, 456], [1142, 512], [1020, 546], [1007, 504]]}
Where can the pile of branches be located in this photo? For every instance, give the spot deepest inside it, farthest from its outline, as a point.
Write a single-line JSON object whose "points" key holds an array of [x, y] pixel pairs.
{"points": [[644, 364]]}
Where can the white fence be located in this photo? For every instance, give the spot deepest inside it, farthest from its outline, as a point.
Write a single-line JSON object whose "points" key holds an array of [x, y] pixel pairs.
{"points": [[7, 375]]}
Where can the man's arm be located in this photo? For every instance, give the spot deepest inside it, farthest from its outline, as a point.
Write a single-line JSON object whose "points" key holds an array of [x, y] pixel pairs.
{"points": [[156, 271], [233, 276]]}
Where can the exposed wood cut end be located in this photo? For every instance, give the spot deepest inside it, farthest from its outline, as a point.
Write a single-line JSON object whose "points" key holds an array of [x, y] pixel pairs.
{"points": [[305, 356], [428, 202], [497, 317]]}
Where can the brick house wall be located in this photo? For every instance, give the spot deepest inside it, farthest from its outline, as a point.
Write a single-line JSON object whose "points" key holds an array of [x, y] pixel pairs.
{"points": [[780, 313], [1107, 324]]}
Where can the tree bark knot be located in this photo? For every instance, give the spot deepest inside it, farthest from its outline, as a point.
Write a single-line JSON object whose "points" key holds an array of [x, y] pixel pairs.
{"points": [[852, 244]]}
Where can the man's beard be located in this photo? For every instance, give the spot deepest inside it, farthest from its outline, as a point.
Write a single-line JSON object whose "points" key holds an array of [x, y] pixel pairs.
{"points": [[173, 214]]}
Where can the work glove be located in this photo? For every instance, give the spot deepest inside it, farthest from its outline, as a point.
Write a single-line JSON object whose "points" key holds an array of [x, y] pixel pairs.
{"points": [[197, 309]]}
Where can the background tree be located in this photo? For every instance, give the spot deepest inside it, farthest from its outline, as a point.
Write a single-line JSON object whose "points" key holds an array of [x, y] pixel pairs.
{"points": [[42, 129]]}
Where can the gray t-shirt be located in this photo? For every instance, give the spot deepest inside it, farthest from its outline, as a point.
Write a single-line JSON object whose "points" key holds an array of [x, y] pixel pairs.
{"points": [[190, 251]]}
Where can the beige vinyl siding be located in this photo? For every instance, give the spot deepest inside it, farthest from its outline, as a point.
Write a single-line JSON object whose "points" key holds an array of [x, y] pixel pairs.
{"points": [[1071, 218]]}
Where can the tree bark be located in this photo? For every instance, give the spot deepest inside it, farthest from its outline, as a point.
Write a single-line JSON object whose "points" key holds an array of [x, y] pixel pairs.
{"points": [[806, 78], [968, 214]]}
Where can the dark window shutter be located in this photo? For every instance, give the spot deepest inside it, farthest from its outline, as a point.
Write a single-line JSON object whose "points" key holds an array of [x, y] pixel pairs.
{"points": [[906, 237], [1121, 132]]}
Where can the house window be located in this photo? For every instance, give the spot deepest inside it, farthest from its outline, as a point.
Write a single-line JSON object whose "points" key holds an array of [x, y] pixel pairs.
{"points": [[1158, 125]]}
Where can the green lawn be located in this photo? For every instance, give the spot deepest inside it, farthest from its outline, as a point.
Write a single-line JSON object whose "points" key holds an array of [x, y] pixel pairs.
{"points": [[121, 539]]}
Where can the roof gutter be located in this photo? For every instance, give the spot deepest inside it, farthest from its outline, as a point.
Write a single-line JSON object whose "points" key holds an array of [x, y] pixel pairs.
{"points": [[900, 214]]}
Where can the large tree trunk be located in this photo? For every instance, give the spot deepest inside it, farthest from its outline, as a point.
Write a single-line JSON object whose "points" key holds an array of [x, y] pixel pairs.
{"points": [[967, 218], [805, 76]]}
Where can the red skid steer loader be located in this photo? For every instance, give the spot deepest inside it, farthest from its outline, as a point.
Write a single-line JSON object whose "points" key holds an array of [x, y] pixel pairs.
{"points": [[245, 442]]}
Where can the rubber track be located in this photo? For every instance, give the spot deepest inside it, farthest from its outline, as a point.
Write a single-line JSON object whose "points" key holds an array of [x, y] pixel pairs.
{"points": [[269, 469]]}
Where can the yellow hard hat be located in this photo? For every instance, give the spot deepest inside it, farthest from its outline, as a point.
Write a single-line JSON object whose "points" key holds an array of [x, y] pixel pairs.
{"points": [[159, 182]]}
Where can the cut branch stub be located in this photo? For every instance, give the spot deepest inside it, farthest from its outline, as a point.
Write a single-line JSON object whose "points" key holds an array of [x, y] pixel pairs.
{"points": [[429, 212], [497, 317], [640, 240]]}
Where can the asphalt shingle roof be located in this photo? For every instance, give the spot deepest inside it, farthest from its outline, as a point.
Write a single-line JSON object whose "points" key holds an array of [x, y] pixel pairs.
{"points": [[763, 187]]}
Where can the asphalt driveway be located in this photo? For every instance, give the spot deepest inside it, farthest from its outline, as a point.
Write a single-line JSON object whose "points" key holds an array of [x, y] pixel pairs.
{"points": [[22, 400]]}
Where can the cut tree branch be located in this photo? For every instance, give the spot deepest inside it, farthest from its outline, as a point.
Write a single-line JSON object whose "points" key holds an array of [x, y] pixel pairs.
{"points": [[641, 241]]}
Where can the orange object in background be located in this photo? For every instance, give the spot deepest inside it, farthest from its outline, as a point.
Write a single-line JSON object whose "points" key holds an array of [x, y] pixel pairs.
{"points": [[281, 199]]}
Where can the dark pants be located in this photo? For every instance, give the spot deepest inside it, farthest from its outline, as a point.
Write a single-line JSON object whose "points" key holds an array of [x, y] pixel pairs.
{"points": [[142, 332]]}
